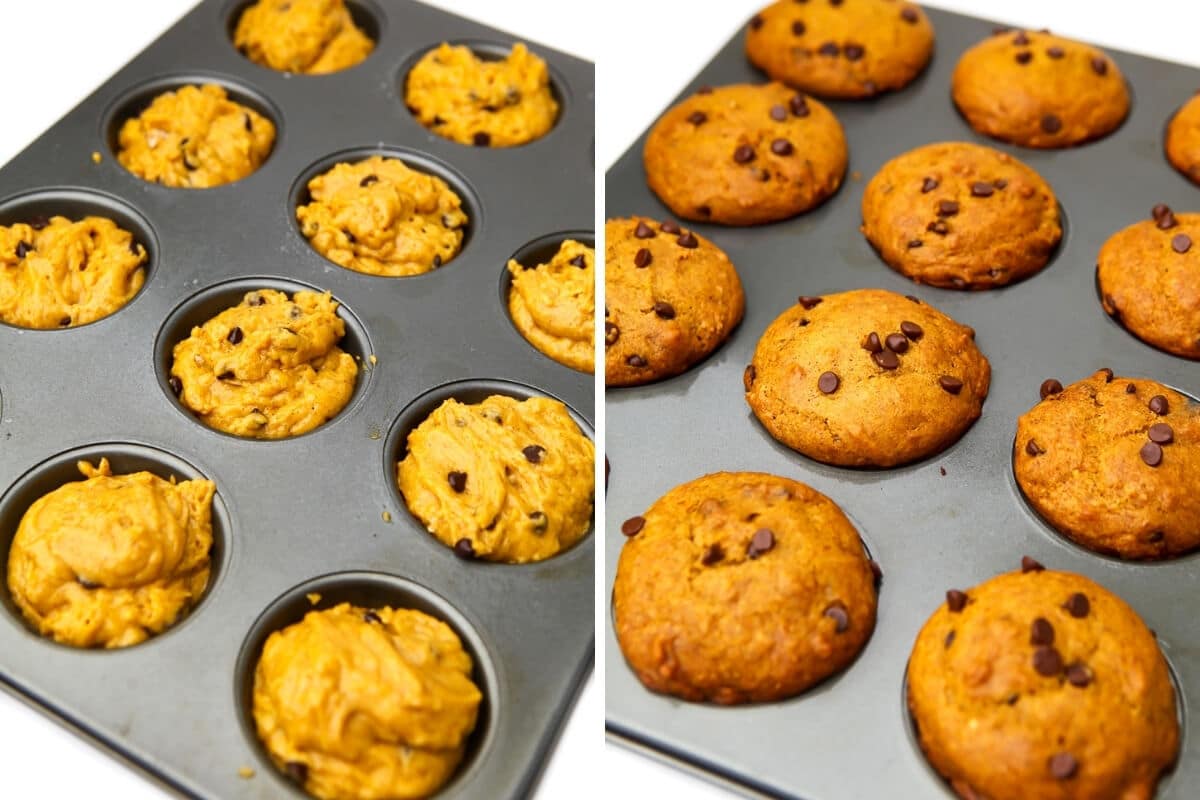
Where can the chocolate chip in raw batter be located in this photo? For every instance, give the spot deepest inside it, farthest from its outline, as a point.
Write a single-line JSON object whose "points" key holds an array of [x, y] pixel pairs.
{"points": [[956, 600], [837, 613], [886, 359], [1079, 675], [1151, 453], [296, 771], [1023, 57], [644, 231], [367, 181], [457, 480], [235, 335], [743, 154], [226, 376], [464, 549], [712, 555], [950, 384], [872, 344], [23, 249], [697, 118], [371, 616], [1181, 243], [642, 258], [1041, 632], [1158, 404], [828, 382], [533, 453], [896, 342], [762, 541], [688, 241], [799, 106], [175, 384], [1161, 433], [809, 302], [636, 361], [1077, 605], [1049, 386], [1047, 661], [1051, 123], [947, 208], [481, 139], [928, 185], [1029, 564], [1063, 766], [538, 522], [912, 330], [577, 261], [38, 221], [782, 147], [85, 583], [633, 525]]}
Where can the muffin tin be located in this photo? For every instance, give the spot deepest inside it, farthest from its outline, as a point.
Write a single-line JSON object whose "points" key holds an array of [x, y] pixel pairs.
{"points": [[851, 737], [317, 512]]}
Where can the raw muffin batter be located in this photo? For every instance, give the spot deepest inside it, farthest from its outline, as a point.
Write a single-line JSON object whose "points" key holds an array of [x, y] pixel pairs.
{"points": [[59, 273], [382, 218], [195, 138], [505, 480], [311, 37], [357, 704], [112, 560], [487, 103], [267, 368], [553, 305]]}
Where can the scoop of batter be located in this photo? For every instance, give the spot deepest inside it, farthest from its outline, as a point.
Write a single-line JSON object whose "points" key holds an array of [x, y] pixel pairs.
{"points": [[382, 218], [553, 305], [267, 368], [59, 273], [500, 103], [112, 560], [361, 704], [505, 480], [311, 37], [195, 138]]}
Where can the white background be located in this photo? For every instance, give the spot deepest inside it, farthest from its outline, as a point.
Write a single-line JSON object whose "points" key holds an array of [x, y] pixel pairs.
{"points": [[651, 50], [53, 53]]}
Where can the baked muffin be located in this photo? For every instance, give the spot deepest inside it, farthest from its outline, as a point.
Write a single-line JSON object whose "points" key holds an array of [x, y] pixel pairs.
{"points": [[380, 217], [745, 154], [112, 560], [501, 102], [55, 273], [1111, 463], [866, 378], [503, 480], [846, 49], [671, 298], [1148, 276], [553, 305], [353, 703], [703, 578], [1039, 90], [1183, 139], [309, 37], [268, 368], [195, 138], [1042, 685], [961, 216]]}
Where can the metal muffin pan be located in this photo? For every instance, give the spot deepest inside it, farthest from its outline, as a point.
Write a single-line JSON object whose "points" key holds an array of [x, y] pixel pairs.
{"points": [[848, 737], [306, 513]]}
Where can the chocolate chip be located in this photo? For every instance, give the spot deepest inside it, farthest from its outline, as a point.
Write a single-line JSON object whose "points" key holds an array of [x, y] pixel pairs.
{"points": [[1029, 564], [175, 384], [1159, 211], [644, 231], [670, 226], [743, 154], [781, 147], [1158, 404], [837, 613], [1051, 123], [828, 382], [1033, 448], [1050, 386], [1108, 374], [705, 90], [1099, 65], [853, 52], [799, 106], [226, 376], [533, 453], [1151, 453], [1161, 433], [756, 22], [371, 616], [942, 471], [1181, 243], [982, 189], [762, 541], [688, 240], [1055, 52], [712, 555], [38, 221], [481, 139], [928, 185], [1041, 632], [896, 342], [1023, 56], [1021, 39], [947, 208], [367, 181], [636, 361], [464, 549], [798, 28], [1166, 221], [1000, 183], [938, 227], [296, 771], [1130, 389], [950, 384], [886, 359], [1063, 766], [538, 522], [956, 600], [23, 249], [778, 113], [1077, 605], [748, 377], [913, 244], [1078, 675], [457, 480], [85, 583], [1047, 661], [828, 49], [912, 299], [697, 118], [611, 333], [642, 258], [872, 344], [912, 330], [876, 570], [809, 301], [235, 335], [949, 639], [255, 299], [664, 310], [633, 526], [909, 15], [577, 261]]}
